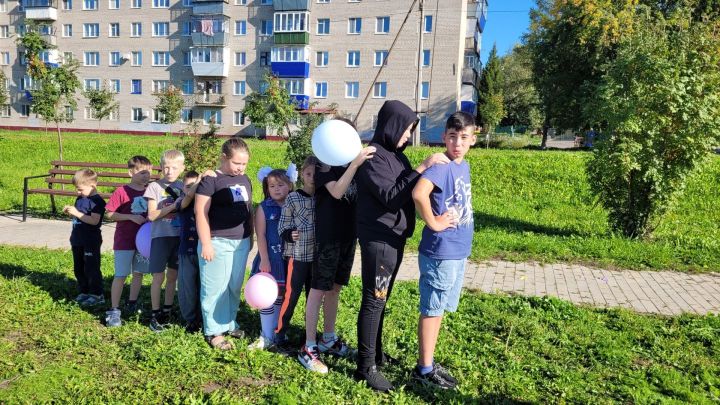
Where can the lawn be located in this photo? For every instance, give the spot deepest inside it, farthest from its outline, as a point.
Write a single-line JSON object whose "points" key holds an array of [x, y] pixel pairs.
{"points": [[529, 204], [503, 349]]}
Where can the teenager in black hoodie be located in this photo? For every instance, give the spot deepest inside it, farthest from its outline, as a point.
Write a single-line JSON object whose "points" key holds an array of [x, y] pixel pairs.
{"points": [[385, 219]]}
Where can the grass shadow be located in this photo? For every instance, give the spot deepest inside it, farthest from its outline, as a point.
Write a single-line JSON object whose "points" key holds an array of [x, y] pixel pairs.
{"points": [[484, 220]]}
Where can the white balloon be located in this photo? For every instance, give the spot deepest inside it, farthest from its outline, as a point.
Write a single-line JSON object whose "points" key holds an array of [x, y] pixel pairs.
{"points": [[335, 143]]}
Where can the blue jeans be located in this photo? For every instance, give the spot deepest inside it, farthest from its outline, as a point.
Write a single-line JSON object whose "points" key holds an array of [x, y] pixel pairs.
{"points": [[220, 284], [441, 283]]}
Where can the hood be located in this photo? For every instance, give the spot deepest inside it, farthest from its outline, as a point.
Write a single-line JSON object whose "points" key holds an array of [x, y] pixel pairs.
{"points": [[393, 119]]}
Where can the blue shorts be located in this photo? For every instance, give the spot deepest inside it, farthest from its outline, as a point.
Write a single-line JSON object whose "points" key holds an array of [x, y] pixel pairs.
{"points": [[441, 282], [128, 261]]}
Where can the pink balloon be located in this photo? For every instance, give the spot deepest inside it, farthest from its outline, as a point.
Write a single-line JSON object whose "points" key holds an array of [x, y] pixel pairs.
{"points": [[143, 239], [261, 291]]}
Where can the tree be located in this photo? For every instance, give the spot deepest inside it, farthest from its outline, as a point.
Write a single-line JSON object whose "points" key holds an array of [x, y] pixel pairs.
{"points": [[300, 143], [490, 111], [170, 104], [520, 99], [272, 108], [102, 102], [3, 89], [201, 150], [660, 102]]}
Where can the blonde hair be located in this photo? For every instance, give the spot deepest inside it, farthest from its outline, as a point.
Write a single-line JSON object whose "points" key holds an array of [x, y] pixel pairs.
{"points": [[84, 177], [172, 154]]}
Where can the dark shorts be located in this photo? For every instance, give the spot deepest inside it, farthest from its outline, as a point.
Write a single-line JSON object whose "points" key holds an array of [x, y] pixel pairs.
{"points": [[163, 253], [334, 263]]}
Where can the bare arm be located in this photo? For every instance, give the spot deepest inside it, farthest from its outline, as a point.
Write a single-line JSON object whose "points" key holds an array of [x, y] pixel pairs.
{"points": [[421, 196], [260, 229], [116, 216], [338, 188], [154, 213], [92, 219], [202, 222]]}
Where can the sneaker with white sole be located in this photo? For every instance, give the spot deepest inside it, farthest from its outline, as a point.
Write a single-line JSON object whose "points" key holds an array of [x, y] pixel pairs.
{"points": [[81, 297], [261, 343], [92, 300], [310, 359], [336, 347], [112, 318]]}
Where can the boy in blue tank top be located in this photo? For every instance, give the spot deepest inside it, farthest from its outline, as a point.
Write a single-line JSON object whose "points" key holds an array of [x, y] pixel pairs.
{"points": [[443, 200]]}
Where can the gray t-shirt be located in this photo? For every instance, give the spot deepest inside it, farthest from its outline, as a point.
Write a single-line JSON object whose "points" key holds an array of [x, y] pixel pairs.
{"points": [[162, 192]]}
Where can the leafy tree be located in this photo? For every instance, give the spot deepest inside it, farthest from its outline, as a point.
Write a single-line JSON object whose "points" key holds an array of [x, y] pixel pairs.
{"points": [[34, 44], [520, 99], [102, 102], [170, 104], [660, 102], [300, 143], [201, 150], [272, 108], [3, 89], [490, 108]]}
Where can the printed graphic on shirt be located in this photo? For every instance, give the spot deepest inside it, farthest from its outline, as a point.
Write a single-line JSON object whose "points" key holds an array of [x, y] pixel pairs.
{"points": [[169, 199], [139, 205], [239, 193], [351, 193], [459, 204]]}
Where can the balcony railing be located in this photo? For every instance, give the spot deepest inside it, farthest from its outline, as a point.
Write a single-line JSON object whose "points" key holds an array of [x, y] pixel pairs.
{"points": [[291, 5], [206, 99], [45, 10]]}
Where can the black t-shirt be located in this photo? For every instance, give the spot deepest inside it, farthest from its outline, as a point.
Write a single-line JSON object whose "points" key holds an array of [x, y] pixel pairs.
{"points": [[84, 234], [230, 204], [334, 219]]}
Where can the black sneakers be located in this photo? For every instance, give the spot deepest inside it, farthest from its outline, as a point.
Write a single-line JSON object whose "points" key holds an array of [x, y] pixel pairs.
{"points": [[374, 379], [437, 378]]}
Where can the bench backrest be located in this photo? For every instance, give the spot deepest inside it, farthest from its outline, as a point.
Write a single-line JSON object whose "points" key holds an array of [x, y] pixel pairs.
{"points": [[110, 175]]}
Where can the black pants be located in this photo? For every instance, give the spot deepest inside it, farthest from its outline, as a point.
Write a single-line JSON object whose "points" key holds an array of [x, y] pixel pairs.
{"points": [[299, 277], [86, 264], [380, 264]]}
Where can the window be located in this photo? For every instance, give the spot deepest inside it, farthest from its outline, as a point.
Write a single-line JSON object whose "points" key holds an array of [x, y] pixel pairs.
{"points": [[291, 21], [91, 30], [352, 89], [240, 58], [212, 116], [187, 3], [68, 56], [92, 58], [423, 122], [92, 84], [188, 86], [238, 118], [380, 58], [135, 29], [425, 90], [426, 57], [427, 27], [321, 89], [5, 110], [115, 85], [241, 2], [89, 114], [323, 1], [115, 58], [89, 4], [67, 4], [240, 27], [136, 4], [114, 115], [323, 26], [161, 3], [380, 90], [354, 25], [353, 58], [136, 57], [5, 59], [161, 29], [160, 85], [239, 88], [25, 110], [157, 116], [67, 30], [266, 2], [289, 54], [136, 86], [186, 58], [3, 6], [266, 28], [4, 31], [321, 58], [294, 86], [264, 58], [161, 58], [113, 4], [186, 29], [114, 30], [382, 25], [137, 114], [186, 115]]}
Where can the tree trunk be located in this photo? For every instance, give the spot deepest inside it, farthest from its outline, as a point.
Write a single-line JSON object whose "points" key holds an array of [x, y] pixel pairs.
{"points": [[545, 130], [60, 147]]}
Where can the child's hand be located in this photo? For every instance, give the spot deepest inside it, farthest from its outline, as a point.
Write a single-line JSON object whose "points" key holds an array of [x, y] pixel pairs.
{"points": [[365, 154], [138, 219], [295, 235], [71, 210], [210, 173], [264, 266], [444, 221], [432, 160], [208, 252]]}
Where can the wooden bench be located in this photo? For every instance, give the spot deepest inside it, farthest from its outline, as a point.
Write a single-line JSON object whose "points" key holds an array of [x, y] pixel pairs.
{"points": [[110, 177]]}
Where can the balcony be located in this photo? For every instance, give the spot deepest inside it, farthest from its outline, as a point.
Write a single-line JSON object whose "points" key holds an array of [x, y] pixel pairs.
{"points": [[42, 10], [209, 1], [216, 8], [290, 5], [210, 61], [469, 75], [206, 100], [301, 101], [290, 69], [209, 31], [291, 38], [49, 38]]}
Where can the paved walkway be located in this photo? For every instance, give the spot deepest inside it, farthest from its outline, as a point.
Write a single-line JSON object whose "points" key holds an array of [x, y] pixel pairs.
{"points": [[658, 292]]}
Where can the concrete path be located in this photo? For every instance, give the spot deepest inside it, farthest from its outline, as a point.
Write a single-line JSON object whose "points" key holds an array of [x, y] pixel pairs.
{"points": [[657, 292]]}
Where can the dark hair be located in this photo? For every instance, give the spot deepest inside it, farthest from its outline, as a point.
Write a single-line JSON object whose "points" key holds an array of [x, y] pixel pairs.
{"points": [[345, 120], [233, 145], [278, 174], [460, 120], [191, 174], [309, 161], [138, 161]]}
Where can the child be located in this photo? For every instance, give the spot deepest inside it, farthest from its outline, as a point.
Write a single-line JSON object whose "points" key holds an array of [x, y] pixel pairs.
{"points": [[385, 219], [276, 186], [297, 228], [223, 211], [86, 238], [129, 209], [189, 273], [442, 197], [335, 232], [161, 196]]}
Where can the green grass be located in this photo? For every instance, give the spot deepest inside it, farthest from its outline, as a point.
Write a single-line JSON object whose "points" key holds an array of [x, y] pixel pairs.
{"points": [[529, 205], [502, 348]]}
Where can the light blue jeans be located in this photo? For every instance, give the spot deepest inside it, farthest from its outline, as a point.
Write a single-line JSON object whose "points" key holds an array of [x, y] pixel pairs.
{"points": [[220, 284]]}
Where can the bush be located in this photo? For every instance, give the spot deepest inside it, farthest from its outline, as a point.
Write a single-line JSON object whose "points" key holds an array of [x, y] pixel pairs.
{"points": [[201, 150]]}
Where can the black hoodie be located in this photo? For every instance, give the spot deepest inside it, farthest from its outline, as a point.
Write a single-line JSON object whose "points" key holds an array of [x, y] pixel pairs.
{"points": [[385, 208]]}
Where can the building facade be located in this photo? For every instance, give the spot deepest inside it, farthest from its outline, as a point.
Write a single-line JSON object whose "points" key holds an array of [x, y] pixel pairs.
{"points": [[351, 53]]}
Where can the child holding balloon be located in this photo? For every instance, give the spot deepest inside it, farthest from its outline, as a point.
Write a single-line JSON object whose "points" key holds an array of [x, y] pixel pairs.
{"points": [[128, 209], [276, 184]]}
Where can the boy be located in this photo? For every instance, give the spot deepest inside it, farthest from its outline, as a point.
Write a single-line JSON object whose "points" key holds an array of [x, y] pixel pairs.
{"points": [[188, 276], [442, 197], [129, 209], [85, 238], [161, 196]]}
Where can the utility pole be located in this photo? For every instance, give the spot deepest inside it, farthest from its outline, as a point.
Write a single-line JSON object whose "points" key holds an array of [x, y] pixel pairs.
{"points": [[418, 87]]}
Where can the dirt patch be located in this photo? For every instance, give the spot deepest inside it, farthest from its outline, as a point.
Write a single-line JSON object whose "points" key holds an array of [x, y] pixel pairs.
{"points": [[237, 385], [21, 342]]}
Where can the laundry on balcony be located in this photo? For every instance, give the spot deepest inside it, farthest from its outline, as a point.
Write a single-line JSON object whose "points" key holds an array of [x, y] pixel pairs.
{"points": [[206, 27]]}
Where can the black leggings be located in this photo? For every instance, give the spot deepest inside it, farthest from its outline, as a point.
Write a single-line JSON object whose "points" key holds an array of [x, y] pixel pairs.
{"points": [[299, 276], [86, 265], [380, 264]]}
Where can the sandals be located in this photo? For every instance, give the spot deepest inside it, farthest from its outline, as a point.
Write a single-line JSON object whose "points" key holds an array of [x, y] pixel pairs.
{"points": [[237, 333], [219, 342]]}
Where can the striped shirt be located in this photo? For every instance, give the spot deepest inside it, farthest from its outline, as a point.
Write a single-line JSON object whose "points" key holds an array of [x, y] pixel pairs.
{"points": [[298, 213]]}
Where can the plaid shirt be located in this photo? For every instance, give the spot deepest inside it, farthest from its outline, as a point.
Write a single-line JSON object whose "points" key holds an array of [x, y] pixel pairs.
{"points": [[298, 213]]}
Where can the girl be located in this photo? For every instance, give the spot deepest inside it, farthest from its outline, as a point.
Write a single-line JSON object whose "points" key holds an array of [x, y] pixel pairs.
{"points": [[223, 207], [276, 185]]}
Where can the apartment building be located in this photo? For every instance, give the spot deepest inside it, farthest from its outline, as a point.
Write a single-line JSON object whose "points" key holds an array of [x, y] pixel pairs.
{"points": [[349, 52]]}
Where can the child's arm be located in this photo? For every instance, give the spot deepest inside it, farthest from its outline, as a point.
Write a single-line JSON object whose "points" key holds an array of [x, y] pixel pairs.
{"points": [[286, 227], [202, 224], [92, 219], [188, 198], [421, 195], [154, 213], [116, 216], [338, 188], [260, 229]]}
